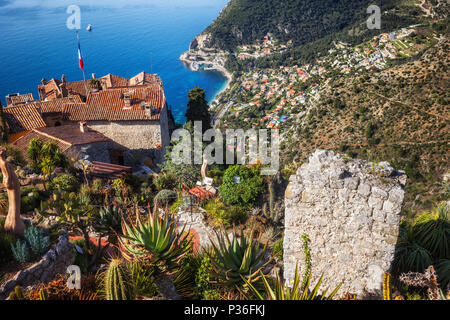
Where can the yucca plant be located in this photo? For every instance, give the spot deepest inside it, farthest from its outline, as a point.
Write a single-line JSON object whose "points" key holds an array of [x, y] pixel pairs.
{"points": [[238, 258], [443, 271], [281, 291], [156, 240], [432, 231], [409, 255]]}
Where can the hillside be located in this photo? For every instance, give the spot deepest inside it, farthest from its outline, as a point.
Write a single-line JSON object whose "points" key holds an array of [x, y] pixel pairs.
{"points": [[311, 25], [400, 115]]}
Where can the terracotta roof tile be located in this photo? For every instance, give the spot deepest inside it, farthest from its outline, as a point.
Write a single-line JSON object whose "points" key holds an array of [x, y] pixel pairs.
{"points": [[23, 142], [23, 117], [56, 105], [20, 99], [72, 135]]}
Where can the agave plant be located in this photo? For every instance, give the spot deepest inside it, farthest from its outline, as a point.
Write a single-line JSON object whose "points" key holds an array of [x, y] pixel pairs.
{"points": [[283, 292], [238, 258], [432, 231], [109, 220], [156, 240], [409, 255]]}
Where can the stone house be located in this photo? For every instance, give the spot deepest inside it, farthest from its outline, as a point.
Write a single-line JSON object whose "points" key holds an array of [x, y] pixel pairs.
{"points": [[131, 113], [74, 141]]}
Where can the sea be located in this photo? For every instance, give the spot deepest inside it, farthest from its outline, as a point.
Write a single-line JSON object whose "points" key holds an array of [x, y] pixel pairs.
{"points": [[127, 37]]}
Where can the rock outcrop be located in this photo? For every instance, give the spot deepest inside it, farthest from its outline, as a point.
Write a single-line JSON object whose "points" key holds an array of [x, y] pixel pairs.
{"points": [[350, 209]]}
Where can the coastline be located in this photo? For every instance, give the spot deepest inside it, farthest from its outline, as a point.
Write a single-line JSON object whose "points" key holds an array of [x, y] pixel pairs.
{"points": [[211, 66]]}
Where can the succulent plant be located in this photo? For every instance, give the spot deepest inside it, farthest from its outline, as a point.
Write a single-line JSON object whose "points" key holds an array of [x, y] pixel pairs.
{"points": [[109, 220], [118, 282], [238, 258], [20, 251], [17, 294], [283, 292], [157, 240], [39, 243]]}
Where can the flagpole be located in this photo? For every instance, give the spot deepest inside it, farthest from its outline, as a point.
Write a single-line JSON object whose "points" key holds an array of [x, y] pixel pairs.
{"points": [[82, 69]]}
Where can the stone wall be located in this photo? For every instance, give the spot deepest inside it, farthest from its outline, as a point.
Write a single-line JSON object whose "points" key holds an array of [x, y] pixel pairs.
{"points": [[350, 209], [130, 135], [98, 151], [54, 262]]}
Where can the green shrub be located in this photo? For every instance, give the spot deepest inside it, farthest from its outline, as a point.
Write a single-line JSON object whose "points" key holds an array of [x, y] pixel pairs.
{"points": [[65, 182], [6, 241], [244, 192], [31, 198], [143, 280], [203, 287], [20, 251], [165, 197], [278, 249], [224, 215], [165, 181], [39, 243]]}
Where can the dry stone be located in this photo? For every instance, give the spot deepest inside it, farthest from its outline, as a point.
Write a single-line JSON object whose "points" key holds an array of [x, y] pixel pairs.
{"points": [[350, 210]]}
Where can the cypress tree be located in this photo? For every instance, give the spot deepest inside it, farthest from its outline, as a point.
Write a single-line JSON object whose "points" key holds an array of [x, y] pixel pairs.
{"points": [[198, 109]]}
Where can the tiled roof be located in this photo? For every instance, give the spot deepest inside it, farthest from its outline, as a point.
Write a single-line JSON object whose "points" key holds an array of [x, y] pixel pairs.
{"points": [[56, 105], [112, 81], [110, 105], [23, 142], [144, 78], [50, 89], [83, 112], [22, 118], [77, 88], [114, 98], [71, 134], [108, 170], [64, 137], [20, 99]]}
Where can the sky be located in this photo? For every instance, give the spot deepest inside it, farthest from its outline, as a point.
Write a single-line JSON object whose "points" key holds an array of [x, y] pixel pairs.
{"points": [[14, 4]]}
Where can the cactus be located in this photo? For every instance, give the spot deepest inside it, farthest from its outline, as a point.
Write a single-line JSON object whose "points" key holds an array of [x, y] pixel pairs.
{"points": [[269, 210], [17, 294], [43, 294], [35, 238], [20, 251], [386, 286], [118, 281], [271, 197]]}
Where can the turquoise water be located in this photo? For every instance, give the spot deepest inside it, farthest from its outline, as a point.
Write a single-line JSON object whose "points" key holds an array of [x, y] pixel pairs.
{"points": [[35, 43]]}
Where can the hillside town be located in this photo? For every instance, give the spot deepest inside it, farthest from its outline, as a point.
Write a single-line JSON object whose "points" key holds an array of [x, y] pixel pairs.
{"points": [[283, 93]]}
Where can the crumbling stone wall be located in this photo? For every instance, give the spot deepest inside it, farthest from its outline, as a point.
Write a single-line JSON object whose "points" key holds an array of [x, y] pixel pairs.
{"points": [[54, 262], [350, 209]]}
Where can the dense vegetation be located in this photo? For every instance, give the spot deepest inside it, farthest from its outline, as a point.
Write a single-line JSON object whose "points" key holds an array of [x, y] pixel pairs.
{"points": [[312, 26]]}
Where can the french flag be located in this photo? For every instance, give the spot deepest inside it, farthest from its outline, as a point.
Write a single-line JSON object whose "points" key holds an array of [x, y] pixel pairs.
{"points": [[80, 57]]}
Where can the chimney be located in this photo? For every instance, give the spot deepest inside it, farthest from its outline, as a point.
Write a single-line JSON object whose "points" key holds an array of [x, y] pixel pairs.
{"points": [[94, 76], [83, 127], [63, 78], [148, 110], [44, 81], [127, 99]]}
